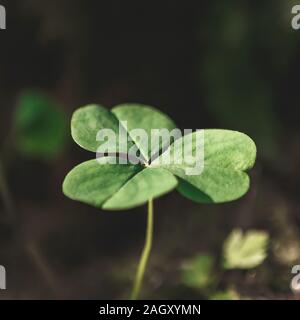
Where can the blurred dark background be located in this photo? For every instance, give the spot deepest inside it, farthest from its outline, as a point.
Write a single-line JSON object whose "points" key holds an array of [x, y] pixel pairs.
{"points": [[208, 64]]}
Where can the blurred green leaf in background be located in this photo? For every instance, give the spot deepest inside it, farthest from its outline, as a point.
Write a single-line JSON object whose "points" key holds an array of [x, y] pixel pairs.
{"points": [[198, 272], [40, 126], [245, 251]]}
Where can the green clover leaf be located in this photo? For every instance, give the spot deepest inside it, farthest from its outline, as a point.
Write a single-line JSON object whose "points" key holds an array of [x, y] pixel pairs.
{"points": [[245, 251], [227, 157]]}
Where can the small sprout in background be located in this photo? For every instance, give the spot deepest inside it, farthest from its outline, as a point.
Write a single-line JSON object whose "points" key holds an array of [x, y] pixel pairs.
{"points": [[245, 251], [40, 126], [240, 251], [228, 155], [198, 272]]}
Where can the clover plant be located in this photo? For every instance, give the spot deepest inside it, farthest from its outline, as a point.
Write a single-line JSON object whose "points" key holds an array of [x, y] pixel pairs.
{"points": [[243, 251], [116, 186]]}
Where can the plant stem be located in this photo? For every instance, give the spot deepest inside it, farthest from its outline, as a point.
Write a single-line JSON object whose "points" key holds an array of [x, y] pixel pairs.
{"points": [[145, 254]]}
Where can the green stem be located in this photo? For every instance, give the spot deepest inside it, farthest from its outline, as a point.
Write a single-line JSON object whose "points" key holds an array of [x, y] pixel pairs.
{"points": [[145, 255]]}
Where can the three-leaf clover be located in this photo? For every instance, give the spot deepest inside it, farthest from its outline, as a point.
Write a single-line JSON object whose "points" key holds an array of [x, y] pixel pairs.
{"points": [[227, 157]]}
